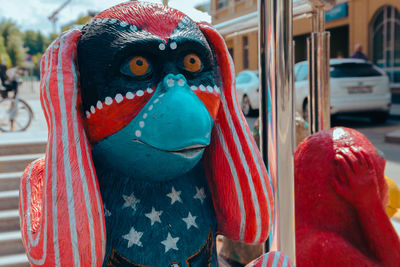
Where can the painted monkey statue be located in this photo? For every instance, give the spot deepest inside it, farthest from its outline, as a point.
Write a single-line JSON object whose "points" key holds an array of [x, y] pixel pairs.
{"points": [[341, 194], [148, 155]]}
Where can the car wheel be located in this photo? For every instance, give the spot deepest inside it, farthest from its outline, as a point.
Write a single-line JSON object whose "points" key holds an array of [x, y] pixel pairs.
{"points": [[379, 117], [246, 106], [305, 110]]}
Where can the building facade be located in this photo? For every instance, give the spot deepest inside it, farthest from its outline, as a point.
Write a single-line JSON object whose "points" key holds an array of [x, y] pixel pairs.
{"points": [[375, 24]]}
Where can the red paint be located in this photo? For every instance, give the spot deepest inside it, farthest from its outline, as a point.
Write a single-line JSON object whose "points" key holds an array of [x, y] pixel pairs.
{"points": [[112, 118], [147, 18], [340, 197]]}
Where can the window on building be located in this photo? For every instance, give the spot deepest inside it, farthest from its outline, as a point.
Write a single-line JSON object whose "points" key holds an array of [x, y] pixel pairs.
{"points": [[385, 32], [222, 4], [245, 52]]}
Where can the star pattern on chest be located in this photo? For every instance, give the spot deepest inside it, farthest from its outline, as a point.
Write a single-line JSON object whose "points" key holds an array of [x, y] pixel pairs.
{"points": [[130, 201], [133, 238], [175, 196], [154, 216], [200, 195], [190, 221], [170, 242]]}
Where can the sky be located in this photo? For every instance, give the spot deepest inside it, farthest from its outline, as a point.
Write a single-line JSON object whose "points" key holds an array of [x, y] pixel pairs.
{"points": [[33, 14]]}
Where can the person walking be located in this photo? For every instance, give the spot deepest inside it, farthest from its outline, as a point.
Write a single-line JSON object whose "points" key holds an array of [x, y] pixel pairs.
{"points": [[358, 52]]}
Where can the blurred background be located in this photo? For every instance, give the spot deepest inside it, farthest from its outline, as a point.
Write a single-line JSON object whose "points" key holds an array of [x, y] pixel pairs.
{"points": [[364, 69]]}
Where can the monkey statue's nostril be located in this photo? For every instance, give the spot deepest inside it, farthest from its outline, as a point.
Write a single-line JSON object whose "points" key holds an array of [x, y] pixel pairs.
{"points": [[172, 80]]}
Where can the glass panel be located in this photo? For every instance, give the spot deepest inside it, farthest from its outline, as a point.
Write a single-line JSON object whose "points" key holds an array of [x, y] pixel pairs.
{"points": [[378, 48], [396, 78], [346, 70], [378, 19], [397, 44]]}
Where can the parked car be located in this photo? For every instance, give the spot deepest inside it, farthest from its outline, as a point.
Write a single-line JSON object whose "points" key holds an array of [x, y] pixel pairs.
{"points": [[357, 87], [248, 91]]}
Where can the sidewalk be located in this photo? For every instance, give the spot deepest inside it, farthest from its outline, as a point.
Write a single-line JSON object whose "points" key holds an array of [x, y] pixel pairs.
{"points": [[394, 137]]}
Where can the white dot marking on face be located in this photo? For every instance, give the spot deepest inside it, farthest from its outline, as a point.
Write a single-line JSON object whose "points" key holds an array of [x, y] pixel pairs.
{"points": [[141, 124], [129, 95], [138, 133], [92, 109], [133, 28], [123, 24], [194, 88], [202, 88], [216, 88], [108, 100], [150, 107], [170, 82], [139, 93], [99, 105], [209, 88], [87, 114], [118, 98], [161, 46], [173, 45], [161, 95], [149, 90], [144, 115], [155, 101]]}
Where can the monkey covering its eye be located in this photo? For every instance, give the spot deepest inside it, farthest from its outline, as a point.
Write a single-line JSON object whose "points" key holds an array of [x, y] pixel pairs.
{"points": [[149, 156]]}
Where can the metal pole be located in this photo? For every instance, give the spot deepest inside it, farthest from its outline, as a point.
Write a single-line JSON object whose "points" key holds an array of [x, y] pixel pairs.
{"points": [[276, 75], [319, 74]]}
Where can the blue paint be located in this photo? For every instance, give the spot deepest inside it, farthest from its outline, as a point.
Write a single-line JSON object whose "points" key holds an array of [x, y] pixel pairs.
{"points": [[154, 195], [174, 119], [337, 12]]}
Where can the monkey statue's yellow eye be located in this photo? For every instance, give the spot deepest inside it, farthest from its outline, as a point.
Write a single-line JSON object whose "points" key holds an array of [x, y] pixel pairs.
{"points": [[192, 63], [139, 66]]}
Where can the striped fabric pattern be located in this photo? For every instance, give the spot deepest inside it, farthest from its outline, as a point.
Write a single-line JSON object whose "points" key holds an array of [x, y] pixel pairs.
{"points": [[61, 210], [238, 179], [272, 259]]}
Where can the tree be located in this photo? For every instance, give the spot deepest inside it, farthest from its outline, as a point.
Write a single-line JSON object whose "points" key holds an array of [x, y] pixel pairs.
{"points": [[13, 43]]}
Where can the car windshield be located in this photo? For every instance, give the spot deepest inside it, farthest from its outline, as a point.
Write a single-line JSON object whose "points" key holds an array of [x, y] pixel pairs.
{"points": [[243, 78], [347, 70]]}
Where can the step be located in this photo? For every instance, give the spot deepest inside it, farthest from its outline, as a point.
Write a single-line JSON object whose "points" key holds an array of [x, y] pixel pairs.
{"points": [[9, 200], [9, 220], [16, 260], [11, 243], [17, 163], [33, 146], [10, 181]]}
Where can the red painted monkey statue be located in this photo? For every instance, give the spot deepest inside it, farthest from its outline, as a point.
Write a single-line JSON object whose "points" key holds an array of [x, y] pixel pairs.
{"points": [[340, 203]]}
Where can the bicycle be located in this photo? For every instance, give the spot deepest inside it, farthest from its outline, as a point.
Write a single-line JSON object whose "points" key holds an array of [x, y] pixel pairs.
{"points": [[15, 114]]}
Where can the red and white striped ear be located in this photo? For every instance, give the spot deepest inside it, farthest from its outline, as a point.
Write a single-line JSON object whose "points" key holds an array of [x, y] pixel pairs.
{"points": [[238, 180], [61, 210]]}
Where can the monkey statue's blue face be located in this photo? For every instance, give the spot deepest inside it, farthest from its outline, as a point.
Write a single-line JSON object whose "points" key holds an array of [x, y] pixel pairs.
{"points": [[150, 96]]}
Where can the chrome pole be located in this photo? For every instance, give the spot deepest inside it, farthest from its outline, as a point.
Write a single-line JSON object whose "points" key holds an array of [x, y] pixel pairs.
{"points": [[277, 131], [319, 73]]}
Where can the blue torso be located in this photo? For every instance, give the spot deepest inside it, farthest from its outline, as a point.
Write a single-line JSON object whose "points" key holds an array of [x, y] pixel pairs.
{"points": [[158, 223]]}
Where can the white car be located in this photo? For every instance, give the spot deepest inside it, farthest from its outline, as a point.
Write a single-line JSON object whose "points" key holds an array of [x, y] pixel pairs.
{"points": [[356, 87], [247, 91]]}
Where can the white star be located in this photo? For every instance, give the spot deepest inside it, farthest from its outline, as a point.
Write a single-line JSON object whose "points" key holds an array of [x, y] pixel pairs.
{"points": [[154, 215], [133, 237], [190, 221], [130, 201], [170, 242], [200, 194], [107, 213], [175, 196]]}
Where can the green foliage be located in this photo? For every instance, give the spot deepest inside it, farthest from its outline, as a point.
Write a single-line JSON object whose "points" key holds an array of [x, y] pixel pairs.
{"points": [[12, 41]]}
